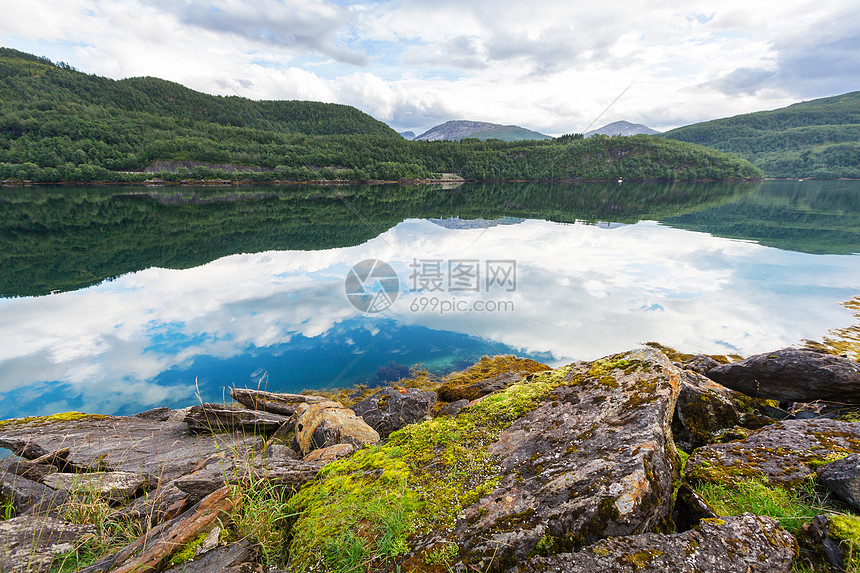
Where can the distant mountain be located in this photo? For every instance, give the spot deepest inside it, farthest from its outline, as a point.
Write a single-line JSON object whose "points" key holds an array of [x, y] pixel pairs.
{"points": [[461, 129], [407, 134], [622, 128], [817, 138], [479, 223]]}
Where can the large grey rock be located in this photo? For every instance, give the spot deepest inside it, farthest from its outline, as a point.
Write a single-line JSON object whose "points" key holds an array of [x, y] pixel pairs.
{"points": [[793, 375], [703, 409], [160, 504], [453, 408], [54, 504], [224, 417], [30, 544], [284, 404], [328, 423], [690, 508], [391, 409], [786, 452], [280, 452], [843, 478], [700, 363], [22, 492], [104, 443], [111, 486], [592, 460], [330, 454], [487, 376], [31, 470], [234, 558], [285, 472], [743, 544]]}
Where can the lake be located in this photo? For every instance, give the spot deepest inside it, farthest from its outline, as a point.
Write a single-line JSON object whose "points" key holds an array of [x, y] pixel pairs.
{"points": [[119, 299]]}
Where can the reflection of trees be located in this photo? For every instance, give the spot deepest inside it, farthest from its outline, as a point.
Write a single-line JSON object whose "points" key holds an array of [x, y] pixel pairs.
{"points": [[68, 238], [811, 217]]}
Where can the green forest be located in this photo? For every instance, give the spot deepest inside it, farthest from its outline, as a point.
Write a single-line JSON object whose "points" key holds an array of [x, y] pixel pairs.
{"points": [[813, 139], [60, 125], [66, 238]]}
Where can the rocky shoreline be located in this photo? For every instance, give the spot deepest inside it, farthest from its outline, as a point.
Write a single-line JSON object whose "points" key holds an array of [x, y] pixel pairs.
{"points": [[639, 461]]}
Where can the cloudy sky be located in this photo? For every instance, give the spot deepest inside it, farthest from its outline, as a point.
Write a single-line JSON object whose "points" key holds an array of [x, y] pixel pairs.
{"points": [[552, 66]]}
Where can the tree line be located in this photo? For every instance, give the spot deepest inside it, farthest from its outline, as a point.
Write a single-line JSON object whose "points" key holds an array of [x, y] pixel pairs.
{"points": [[61, 125], [818, 138]]}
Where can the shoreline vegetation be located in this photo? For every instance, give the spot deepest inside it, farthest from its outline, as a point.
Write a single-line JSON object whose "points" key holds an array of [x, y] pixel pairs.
{"points": [[812, 139], [60, 125], [419, 474], [160, 181], [154, 182]]}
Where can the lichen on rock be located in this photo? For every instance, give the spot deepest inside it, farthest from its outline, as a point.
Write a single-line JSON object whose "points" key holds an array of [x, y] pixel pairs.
{"points": [[551, 463], [742, 544], [487, 376], [785, 453]]}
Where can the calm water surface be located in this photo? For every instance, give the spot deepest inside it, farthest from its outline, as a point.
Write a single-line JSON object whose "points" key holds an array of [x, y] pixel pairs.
{"points": [[116, 300]]}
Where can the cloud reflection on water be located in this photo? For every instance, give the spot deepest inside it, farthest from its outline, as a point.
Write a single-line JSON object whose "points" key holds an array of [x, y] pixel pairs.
{"points": [[583, 291]]}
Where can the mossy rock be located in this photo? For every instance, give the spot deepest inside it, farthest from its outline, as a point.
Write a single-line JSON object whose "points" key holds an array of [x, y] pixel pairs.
{"points": [[705, 410], [34, 421], [551, 463], [734, 544], [487, 376], [784, 453], [845, 529]]}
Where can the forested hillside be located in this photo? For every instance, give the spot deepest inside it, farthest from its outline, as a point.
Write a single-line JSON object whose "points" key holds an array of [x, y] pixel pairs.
{"points": [[818, 138], [58, 124]]}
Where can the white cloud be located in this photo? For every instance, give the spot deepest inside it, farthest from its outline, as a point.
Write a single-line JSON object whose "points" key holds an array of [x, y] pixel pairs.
{"points": [[582, 292], [550, 66]]}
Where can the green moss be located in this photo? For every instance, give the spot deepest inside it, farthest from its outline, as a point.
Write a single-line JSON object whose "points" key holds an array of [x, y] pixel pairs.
{"points": [[429, 471], [188, 551], [645, 392], [790, 507], [817, 463], [846, 530], [682, 458], [852, 415], [61, 417], [641, 559], [546, 545], [716, 472], [460, 385], [607, 371]]}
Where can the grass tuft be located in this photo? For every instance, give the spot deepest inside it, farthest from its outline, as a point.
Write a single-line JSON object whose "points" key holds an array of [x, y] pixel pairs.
{"points": [[264, 517], [112, 533], [791, 508]]}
